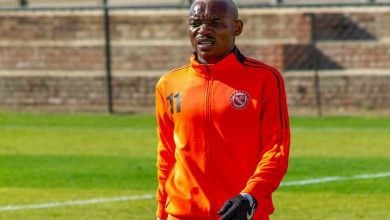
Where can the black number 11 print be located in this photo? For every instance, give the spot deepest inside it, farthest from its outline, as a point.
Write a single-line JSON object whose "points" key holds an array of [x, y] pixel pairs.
{"points": [[172, 97]]}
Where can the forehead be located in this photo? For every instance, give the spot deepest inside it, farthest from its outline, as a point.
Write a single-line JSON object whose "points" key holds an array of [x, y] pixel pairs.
{"points": [[210, 9]]}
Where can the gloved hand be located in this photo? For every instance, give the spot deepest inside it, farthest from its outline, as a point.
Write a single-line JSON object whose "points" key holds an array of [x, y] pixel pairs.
{"points": [[238, 208]]}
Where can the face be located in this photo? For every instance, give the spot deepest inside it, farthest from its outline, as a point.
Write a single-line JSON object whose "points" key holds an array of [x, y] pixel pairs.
{"points": [[213, 26]]}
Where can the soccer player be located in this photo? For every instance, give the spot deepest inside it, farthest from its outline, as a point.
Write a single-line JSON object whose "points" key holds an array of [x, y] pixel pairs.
{"points": [[223, 126]]}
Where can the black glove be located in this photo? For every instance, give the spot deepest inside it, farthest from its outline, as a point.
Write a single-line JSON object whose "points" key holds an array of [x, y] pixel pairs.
{"points": [[237, 208]]}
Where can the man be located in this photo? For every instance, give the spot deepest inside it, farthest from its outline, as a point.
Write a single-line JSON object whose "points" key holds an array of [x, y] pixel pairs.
{"points": [[223, 127]]}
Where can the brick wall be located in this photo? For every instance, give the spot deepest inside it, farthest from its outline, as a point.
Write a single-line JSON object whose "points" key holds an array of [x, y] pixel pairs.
{"points": [[55, 59], [341, 92], [76, 93]]}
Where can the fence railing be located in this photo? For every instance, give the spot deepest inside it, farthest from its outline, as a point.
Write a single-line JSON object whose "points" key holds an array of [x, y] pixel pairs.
{"points": [[178, 3]]}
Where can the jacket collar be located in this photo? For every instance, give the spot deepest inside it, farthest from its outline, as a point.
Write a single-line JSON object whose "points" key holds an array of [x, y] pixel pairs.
{"points": [[223, 66]]}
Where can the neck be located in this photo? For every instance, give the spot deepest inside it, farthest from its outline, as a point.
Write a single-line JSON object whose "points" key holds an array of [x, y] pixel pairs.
{"points": [[211, 60]]}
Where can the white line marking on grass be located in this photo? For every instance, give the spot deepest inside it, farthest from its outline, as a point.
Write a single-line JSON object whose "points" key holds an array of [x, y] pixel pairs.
{"points": [[336, 129], [334, 178], [151, 196], [75, 202]]}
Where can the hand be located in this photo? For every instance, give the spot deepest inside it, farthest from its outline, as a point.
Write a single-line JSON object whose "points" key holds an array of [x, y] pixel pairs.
{"points": [[237, 208]]}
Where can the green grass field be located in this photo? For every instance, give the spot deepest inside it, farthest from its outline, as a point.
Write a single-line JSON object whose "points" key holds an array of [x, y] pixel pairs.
{"points": [[53, 165]]}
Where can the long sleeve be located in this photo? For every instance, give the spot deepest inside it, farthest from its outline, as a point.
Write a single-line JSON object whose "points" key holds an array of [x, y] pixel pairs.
{"points": [[165, 150], [275, 141], [222, 129]]}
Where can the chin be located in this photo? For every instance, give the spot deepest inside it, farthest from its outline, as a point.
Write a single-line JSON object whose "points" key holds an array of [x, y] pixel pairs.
{"points": [[206, 52]]}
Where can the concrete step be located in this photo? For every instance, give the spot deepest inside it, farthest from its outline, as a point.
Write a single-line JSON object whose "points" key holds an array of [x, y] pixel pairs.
{"points": [[153, 55], [293, 25], [364, 90]]}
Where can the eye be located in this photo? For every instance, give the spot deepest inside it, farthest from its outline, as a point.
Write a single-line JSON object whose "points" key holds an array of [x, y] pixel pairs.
{"points": [[195, 23], [216, 23]]}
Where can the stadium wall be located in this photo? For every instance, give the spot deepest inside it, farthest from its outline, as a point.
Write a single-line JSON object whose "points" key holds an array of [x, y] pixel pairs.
{"points": [[54, 60]]}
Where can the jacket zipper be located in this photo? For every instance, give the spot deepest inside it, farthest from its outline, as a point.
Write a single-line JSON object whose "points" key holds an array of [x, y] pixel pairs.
{"points": [[209, 84]]}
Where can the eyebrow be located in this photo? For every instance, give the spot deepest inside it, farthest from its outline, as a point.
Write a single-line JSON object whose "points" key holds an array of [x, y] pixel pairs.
{"points": [[206, 19]]}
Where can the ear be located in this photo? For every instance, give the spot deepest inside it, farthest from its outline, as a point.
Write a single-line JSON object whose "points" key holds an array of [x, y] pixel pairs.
{"points": [[238, 26]]}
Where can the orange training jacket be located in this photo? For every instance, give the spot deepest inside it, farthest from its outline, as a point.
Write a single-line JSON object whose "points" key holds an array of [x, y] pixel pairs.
{"points": [[222, 129]]}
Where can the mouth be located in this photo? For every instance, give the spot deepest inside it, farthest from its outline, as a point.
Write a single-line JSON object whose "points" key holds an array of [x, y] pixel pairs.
{"points": [[205, 42]]}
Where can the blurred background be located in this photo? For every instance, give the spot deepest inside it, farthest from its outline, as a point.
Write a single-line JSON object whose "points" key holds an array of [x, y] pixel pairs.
{"points": [[66, 64], [106, 56]]}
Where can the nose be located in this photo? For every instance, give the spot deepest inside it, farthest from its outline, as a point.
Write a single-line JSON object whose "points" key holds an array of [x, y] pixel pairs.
{"points": [[204, 29]]}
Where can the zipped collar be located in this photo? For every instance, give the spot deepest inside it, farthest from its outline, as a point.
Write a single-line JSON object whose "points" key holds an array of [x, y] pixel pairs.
{"points": [[223, 66]]}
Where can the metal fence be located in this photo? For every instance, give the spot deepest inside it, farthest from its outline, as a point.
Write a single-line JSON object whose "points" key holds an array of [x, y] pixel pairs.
{"points": [[177, 3], [307, 53]]}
